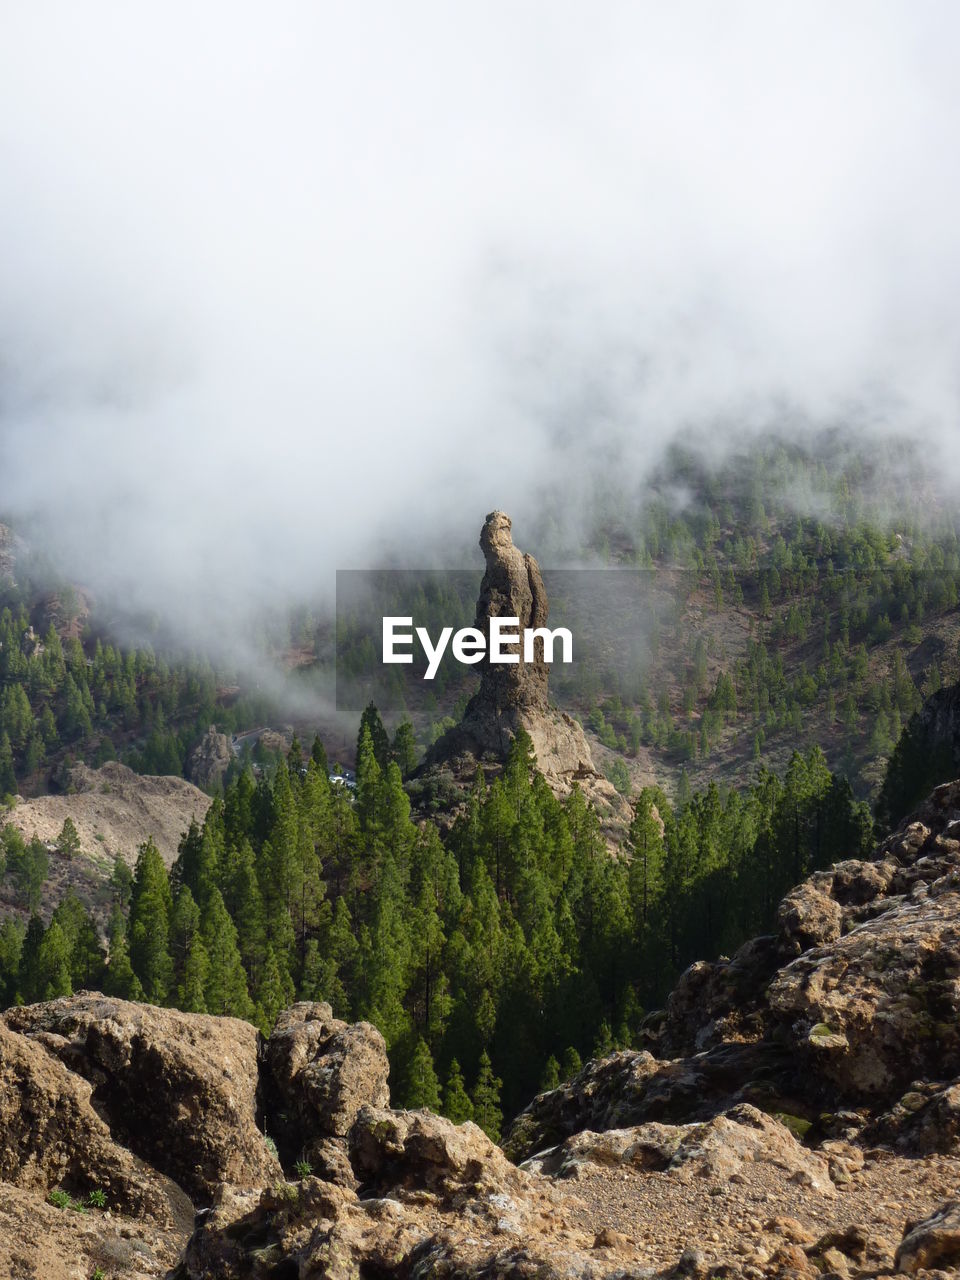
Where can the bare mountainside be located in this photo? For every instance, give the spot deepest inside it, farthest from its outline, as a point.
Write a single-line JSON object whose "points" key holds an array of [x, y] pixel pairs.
{"points": [[798, 1118], [115, 810]]}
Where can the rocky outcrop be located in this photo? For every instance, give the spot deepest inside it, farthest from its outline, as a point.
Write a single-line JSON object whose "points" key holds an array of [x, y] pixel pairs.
{"points": [[516, 696], [178, 1090], [53, 1137], [210, 759], [319, 1073], [433, 1198], [114, 810], [717, 1148]]}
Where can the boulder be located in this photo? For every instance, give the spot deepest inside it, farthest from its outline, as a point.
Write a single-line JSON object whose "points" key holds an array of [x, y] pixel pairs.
{"points": [[879, 1006], [390, 1148], [931, 1243], [179, 1090], [319, 1072], [716, 1149]]}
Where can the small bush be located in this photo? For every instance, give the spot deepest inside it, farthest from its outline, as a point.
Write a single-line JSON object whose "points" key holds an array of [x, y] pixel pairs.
{"points": [[304, 1168], [271, 1145], [59, 1199], [97, 1199]]}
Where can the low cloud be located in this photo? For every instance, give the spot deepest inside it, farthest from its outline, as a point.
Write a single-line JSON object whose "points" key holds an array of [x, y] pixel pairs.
{"points": [[300, 287]]}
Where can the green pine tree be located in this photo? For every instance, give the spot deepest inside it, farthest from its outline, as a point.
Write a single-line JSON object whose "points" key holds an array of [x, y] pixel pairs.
{"points": [[486, 1099], [151, 905], [68, 841], [456, 1101], [423, 1088], [551, 1075], [225, 991], [571, 1064]]}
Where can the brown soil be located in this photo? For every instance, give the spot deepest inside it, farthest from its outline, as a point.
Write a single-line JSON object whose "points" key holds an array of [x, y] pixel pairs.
{"points": [[744, 1215]]}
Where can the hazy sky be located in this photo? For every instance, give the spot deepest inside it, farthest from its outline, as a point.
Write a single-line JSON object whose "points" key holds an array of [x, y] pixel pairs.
{"points": [[284, 281]]}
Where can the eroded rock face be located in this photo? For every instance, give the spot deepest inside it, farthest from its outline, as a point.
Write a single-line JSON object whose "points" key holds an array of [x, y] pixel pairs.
{"points": [[511, 588], [514, 696], [53, 1138], [319, 1073], [210, 759], [179, 1090], [434, 1199]]}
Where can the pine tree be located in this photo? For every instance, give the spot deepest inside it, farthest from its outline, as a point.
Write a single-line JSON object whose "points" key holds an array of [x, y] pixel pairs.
{"points": [[120, 980], [456, 1101], [369, 775], [272, 994], [196, 974], [318, 755], [571, 1064], [225, 991], [68, 841], [29, 986], [8, 778], [551, 1075], [245, 905], [371, 723], [151, 905], [53, 964], [423, 1088], [486, 1099], [404, 748]]}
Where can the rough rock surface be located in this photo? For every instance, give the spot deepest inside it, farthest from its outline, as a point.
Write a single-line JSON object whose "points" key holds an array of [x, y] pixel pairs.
{"points": [[932, 1243], [210, 759], [716, 1148], [319, 1073], [433, 1198], [178, 1089], [53, 1137]]}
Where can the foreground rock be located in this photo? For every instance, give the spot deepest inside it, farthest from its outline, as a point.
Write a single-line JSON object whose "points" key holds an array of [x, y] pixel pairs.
{"points": [[319, 1073], [179, 1089], [717, 1148], [432, 1198], [54, 1138], [932, 1243]]}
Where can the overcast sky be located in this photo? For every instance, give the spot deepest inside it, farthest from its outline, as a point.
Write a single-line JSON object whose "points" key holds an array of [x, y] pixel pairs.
{"points": [[281, 282]]}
